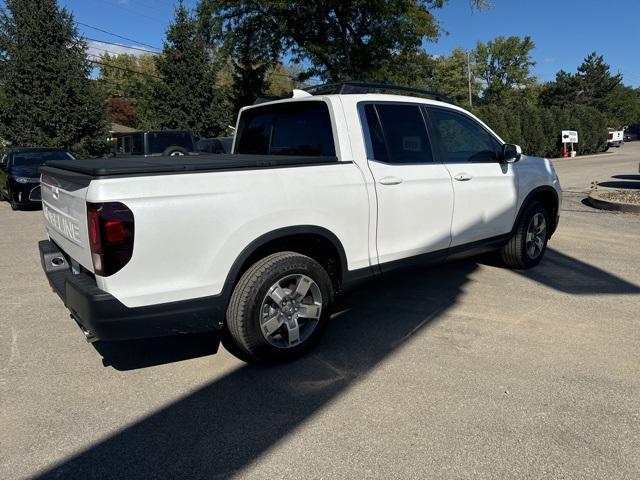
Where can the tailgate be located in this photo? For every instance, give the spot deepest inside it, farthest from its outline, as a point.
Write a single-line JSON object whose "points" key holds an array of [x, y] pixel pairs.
{"points": [[65, 212]]}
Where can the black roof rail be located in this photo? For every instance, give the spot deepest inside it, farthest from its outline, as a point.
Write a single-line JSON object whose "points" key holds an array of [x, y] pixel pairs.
{"points": [[356, 86]]}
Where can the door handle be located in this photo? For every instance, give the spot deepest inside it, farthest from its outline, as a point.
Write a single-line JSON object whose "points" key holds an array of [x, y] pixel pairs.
{"points": [[462, 177], [390, 181]]}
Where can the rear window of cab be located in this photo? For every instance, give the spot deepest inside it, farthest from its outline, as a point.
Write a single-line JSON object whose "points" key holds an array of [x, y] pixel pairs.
{"points": [[293, 128]]}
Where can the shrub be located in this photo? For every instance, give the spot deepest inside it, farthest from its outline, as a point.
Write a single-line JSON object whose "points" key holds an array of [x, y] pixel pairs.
{"points": [[537, 129]]}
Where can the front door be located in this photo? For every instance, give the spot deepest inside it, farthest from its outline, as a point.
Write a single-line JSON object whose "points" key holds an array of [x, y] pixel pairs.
{"points": [[414, 192], [485, 189]]}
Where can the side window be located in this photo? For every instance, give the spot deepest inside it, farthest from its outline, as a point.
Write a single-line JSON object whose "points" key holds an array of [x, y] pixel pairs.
{"points": [[161, 140], [297, 128], [401, 136], [56, 155], [378, 147], [463, 139], [137, 143]]}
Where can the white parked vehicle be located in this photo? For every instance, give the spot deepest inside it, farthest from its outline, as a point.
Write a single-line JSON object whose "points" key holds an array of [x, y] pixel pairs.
{"points": [[615, 138], [322, 190]]}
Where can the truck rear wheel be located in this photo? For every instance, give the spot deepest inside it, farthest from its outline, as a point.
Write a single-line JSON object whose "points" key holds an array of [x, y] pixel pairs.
{"points": [[279, 308], [527, 245]]}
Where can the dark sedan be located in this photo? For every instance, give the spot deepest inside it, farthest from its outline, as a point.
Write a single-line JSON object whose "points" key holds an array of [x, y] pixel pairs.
{"points": [[20, 175]]}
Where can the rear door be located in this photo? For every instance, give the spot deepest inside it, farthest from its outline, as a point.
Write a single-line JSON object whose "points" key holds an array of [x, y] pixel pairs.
{"points": [[65, 212], [414, 192], [485, 189]]}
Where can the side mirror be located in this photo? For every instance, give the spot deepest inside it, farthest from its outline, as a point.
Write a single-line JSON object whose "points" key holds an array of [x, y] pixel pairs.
{"points": [[511, 153]]}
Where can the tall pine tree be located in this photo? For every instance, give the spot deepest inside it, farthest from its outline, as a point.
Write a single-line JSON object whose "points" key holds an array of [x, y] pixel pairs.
{"points": [[46, 95], [189, 96]]}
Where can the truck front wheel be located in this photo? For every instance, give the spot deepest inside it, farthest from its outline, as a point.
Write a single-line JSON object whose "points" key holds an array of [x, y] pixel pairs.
{"points": [[279, 308], [527, 245]]}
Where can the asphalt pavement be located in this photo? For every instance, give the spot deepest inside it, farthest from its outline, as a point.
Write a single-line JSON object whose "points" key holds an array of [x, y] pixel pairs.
{"points": [[467, 370]]}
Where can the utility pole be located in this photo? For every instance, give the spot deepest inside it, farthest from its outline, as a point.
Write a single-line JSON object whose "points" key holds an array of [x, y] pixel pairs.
{"points": [[469, 78]]}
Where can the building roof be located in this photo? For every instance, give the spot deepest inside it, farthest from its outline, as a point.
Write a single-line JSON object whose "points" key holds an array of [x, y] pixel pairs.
{"points": [[117, 128]]}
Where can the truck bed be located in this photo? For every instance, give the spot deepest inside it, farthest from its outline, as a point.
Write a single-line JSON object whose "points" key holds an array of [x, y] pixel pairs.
{"points": [[126, 166]]}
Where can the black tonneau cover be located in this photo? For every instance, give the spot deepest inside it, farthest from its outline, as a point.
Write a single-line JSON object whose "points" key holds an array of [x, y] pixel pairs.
{"points": [[123, 166]]}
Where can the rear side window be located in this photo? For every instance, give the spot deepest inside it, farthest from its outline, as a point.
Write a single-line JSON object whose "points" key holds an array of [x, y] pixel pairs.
{"points": [[398, 134], [301, 128], [463, 139], [137, 143], [160, 141]]}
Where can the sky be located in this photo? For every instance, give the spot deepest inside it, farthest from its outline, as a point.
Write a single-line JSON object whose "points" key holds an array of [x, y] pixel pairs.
{"points": [[564, 31]]}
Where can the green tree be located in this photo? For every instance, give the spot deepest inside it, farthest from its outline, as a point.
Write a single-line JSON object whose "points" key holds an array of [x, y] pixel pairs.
{"points": [[624, 106], [594, 86], [505, 65], [591, 85], [334, 40], [596, 82], [450, 75], [187, 94], [131, 78], [46, 95], [565, 90]]}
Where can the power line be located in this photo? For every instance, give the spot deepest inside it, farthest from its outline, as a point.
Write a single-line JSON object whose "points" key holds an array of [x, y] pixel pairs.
{"points": [[119, 36], [110, 52], [93, 47], [128, 47], [117, 67]]}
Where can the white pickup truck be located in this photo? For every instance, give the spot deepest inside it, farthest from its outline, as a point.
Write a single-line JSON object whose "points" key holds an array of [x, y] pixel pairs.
{"points": [[322, 190], [615, 138]]}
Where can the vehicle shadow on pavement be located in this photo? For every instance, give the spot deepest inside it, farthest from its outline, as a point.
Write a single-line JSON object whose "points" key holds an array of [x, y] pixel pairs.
{"points": [[627, 177], [620, 184], [225, 426], [570, 275], [134, 354]]}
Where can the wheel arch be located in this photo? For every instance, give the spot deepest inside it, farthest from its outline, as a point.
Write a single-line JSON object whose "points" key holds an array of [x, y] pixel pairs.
{"points": [[316, 242], [548, 196]]}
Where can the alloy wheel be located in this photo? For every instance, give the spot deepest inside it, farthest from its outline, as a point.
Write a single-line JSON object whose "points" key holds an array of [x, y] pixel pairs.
{"points": [[536, 236], [290, 311]]}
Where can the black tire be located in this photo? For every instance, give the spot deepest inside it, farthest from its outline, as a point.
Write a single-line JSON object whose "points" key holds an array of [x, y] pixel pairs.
{"points": [[244, 311], [12, 201], [514, 253], [175, 151]]}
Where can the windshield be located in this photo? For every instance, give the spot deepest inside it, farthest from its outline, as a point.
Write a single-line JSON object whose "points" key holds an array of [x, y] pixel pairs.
{"points": [[35, 159]]}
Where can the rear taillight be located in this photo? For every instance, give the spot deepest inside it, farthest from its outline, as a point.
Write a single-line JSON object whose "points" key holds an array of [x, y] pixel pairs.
{"points": [[610, 136], [111, 232]]}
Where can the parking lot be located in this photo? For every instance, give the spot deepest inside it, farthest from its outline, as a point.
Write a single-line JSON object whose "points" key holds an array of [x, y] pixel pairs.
{"points": [[467, 370]]}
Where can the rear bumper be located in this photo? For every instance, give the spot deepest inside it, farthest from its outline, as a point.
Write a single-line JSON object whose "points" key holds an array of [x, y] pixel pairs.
{"points": [[103, 317]]}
